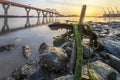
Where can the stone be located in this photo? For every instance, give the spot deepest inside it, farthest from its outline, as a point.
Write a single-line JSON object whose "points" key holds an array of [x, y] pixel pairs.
{"points": [[68, 46], [112, 61], [112, 76], [111, 45], [7, 47], [100, 70], [29, 71], [27, 51], [53, 58], [67, 77]]}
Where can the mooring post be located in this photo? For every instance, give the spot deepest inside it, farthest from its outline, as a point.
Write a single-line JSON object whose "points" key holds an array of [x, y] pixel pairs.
{"points": [[81, 19], [28, 21], [82, 14]]}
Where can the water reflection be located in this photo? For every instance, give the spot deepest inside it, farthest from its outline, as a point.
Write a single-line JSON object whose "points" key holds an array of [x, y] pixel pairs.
{"points": [[28, 23], [38, 21], [6, 28]]}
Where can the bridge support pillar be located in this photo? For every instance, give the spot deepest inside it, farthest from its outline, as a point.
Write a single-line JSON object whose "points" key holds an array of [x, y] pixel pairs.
{"points": [[56, 15], [44, 14], [38, 12], [43, 20], [6, 7], [50, 17], [51, 14], [5, 26], [38, 21], [28, 21]]}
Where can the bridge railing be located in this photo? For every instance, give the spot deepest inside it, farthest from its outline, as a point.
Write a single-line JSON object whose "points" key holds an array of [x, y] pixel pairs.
{"points": [[7, 4]]}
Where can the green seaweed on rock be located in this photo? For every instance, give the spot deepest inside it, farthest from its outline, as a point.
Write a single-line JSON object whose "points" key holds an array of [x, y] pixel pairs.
{"points": [[79, 50]]}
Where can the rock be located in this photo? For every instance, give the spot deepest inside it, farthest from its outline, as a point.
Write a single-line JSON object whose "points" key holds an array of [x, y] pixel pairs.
{"points": [[68, 50], [53, 58], [101, 71], [26, 72], [112, 61], [7, 47], [89, 55], [111, 45], [67, 77], [68, 46], [112, 76], [118, 35], [2, 48], [29, 69], [27, 51], [87, 52], [10, 46]]}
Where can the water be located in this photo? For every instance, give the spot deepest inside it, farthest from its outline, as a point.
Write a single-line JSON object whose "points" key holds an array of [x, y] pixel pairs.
{"points": [[16, 33], [20, 36]]}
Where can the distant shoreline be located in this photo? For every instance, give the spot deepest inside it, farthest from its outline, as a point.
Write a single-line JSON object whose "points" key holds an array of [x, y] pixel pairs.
{"points": [[14, 16]]}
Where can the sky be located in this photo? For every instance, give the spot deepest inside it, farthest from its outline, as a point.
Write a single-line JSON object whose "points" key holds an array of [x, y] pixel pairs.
{"points": [[68, 7]]}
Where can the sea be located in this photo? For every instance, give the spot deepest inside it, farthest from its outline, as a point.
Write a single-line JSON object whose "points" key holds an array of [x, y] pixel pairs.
{"points": [[14, 31]]}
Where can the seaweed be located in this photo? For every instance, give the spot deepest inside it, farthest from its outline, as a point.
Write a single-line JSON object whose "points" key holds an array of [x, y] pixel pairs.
{"points": [[79, 50]]}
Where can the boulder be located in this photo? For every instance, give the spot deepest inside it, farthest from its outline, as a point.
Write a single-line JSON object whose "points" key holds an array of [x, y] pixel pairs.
{"points": [[101, 71], [68, 46], [27, 51], [26, 72], [111, 45], [111, 60], [7, 47], [53, 58]]}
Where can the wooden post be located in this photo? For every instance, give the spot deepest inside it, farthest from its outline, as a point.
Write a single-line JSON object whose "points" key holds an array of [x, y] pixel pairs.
{"points": [[82, 14]]}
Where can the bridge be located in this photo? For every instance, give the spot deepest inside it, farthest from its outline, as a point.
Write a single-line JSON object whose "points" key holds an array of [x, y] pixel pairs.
{"points": [[46, 12]]}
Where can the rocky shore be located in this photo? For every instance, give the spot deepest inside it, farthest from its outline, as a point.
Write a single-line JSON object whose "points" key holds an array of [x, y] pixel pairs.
{"points": [[54, 62]]}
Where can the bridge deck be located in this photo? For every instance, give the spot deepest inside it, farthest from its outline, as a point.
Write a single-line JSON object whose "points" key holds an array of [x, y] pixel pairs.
{"points": [[23, 6]]}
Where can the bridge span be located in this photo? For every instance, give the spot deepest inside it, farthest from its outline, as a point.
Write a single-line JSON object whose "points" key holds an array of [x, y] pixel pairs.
{"points": [[45, 12], [6, 5]]}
